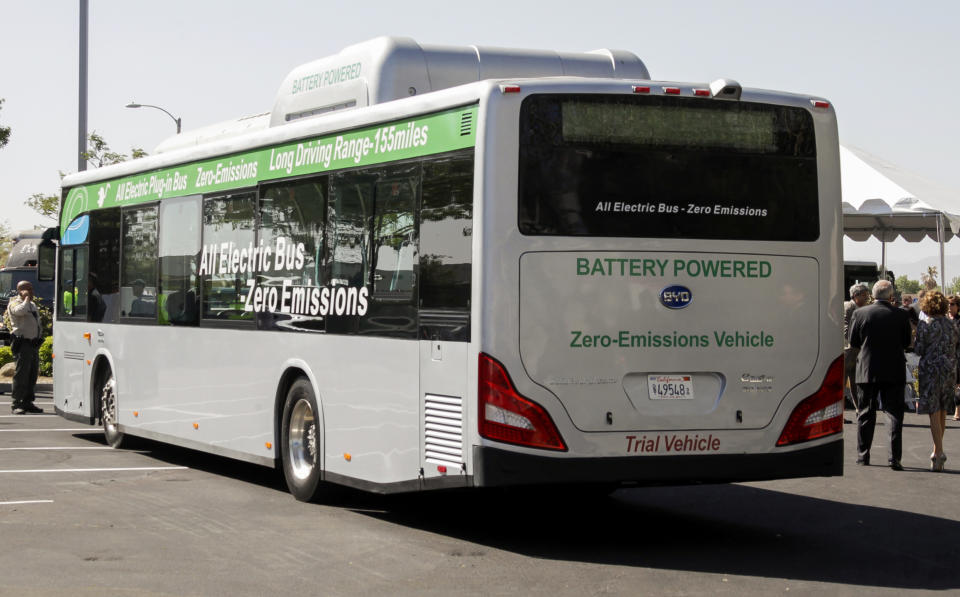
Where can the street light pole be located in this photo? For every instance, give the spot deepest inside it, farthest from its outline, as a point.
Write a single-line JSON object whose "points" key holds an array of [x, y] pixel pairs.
{"points": [[82, 102], [136, 105]]}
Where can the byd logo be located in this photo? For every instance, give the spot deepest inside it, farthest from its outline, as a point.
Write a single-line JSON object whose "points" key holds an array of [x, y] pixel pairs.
{"points": [[676, 297]]}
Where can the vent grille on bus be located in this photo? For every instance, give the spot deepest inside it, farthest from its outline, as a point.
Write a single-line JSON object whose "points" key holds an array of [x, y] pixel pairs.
{"points": [[443, 430], [466, 124]]}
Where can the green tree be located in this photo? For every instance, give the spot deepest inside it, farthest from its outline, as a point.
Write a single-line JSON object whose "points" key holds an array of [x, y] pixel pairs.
{"points": [[98, 154], [4, 131], [45, 205], [905, 284]]}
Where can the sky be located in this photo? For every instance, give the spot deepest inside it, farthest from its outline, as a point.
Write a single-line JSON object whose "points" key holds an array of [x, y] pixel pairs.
{"points": [[888, 68]]}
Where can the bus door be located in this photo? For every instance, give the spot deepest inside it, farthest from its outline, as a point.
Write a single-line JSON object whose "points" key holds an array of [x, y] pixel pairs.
{"points": [[73, 348], [446, 239]]}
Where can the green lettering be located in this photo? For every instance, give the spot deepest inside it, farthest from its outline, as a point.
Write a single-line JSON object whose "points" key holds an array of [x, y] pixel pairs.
{"points": [[765, 271], [648, 267], [597, 267], [663, 265], [710, 268], [583, 266], [575, 343], [739, 266]]}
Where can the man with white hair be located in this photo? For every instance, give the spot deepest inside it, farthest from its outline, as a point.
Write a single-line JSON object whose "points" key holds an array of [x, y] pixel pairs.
{"points": [[859, 296], [882, 332]]}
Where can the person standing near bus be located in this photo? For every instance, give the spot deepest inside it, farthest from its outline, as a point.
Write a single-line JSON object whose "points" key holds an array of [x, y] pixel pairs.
{"points": [[26, 349], [882, 332], [937, 347], [859, 296]]}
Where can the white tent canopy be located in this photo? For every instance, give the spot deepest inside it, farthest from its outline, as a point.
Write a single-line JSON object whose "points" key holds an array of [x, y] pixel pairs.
{"points": [[876, 203]]}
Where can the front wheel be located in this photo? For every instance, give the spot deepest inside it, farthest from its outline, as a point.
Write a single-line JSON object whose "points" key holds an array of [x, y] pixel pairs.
{"points": [[301, 444], [108, 412]]}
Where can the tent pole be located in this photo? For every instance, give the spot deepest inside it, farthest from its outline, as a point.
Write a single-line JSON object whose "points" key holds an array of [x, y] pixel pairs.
{"points": [[943, 274], [883, 259]]}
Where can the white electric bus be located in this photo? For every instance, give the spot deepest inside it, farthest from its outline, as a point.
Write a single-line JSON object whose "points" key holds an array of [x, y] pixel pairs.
{"points": [[434, 267]]}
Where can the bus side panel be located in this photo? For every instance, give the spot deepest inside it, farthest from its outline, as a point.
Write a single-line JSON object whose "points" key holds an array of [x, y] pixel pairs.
{"points": [[71, 383], [209, 386]]}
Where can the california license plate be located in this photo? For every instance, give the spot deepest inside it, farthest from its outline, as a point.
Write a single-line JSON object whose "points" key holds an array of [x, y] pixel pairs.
{"points": [[670, 387]]}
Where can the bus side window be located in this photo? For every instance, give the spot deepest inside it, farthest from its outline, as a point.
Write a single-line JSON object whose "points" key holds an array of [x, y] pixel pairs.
{"points": [[446, 240], [179, 248], [138, 270], [73, 286], [348, 238], [228, 221], [104, 277]]}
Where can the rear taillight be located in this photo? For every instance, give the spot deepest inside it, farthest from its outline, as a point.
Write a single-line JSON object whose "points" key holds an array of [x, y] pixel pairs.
{"points": [[506, 416], [818, 415]]}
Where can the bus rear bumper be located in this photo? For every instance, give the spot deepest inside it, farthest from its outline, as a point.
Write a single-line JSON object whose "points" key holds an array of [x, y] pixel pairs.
{"points": [[495, 467]]}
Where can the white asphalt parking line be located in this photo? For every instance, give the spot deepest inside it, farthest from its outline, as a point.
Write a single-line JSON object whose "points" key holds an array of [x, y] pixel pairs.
{"points": [[60, 429], [41, 402], [95, 470], [26, 502], [18, 416], [60, 448]]}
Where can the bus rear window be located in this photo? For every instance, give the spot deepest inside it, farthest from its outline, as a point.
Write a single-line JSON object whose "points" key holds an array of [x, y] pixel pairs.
{"points": [[666, 167]]}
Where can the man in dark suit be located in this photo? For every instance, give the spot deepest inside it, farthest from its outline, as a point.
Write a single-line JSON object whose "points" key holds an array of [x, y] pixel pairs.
{"points": [[882, 332]]}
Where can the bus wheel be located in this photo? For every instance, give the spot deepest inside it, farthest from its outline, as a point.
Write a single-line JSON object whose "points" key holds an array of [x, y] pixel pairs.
{"points": [[108, 412], [301, 443]]}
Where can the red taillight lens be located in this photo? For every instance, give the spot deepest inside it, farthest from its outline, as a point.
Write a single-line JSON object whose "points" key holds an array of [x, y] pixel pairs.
{"points": [[820, 414], [506, 416]]}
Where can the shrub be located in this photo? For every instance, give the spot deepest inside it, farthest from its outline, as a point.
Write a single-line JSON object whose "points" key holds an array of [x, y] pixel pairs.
{"points": [[6, 355], [46, 357]]}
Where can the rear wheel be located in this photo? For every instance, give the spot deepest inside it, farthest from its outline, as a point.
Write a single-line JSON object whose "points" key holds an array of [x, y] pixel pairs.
{"points": [[301, 443], [108, 411]]}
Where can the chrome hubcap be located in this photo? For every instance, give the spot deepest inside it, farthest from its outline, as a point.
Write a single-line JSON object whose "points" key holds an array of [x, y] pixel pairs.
{"points": [[303, 439], [108, 405]]}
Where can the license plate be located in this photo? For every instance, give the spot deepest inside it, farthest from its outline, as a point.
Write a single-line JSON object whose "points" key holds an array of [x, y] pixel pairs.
{"points": [[670, 387]]}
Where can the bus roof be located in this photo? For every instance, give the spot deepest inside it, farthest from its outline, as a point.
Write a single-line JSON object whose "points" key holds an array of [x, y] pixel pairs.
{"points": [[390, 68]]}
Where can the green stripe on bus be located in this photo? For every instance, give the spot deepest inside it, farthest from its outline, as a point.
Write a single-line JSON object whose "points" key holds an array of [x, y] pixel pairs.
{"points": [[415, 137]]}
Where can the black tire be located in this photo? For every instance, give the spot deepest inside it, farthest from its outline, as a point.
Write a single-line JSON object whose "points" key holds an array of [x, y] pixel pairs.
{"points": [[107, 391], [301, 443]]}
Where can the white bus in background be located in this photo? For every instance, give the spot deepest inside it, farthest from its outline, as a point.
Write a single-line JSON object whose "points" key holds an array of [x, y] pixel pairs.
{"points": [[434, 267]]}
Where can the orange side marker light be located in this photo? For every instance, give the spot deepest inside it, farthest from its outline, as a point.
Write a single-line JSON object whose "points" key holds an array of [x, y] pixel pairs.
{"points": [[268, 445], [196, 425], [347, 457]]}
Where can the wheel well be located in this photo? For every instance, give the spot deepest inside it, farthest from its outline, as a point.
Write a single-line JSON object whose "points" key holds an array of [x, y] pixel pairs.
{"points": [[289, 376], [101, 370]]}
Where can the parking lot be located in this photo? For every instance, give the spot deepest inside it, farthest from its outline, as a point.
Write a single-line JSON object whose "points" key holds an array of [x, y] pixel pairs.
{"points": [[77, 518]]}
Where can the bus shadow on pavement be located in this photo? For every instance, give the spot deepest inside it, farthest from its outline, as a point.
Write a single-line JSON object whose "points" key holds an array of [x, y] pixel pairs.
{"points": [[201, 461], [722, 529], [718, 529]]}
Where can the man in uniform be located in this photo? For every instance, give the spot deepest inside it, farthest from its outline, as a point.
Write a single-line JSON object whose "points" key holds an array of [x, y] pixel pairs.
{"points": [[26, 342]]}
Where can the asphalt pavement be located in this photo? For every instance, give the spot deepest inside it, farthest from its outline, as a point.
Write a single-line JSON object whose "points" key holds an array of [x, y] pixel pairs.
{"points": [[78, 519]]}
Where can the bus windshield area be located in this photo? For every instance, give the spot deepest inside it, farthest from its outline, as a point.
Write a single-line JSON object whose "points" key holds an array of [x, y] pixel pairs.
{"points": [[653, 166]]}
